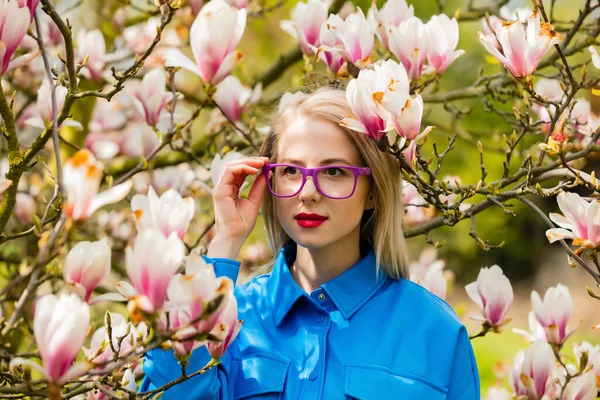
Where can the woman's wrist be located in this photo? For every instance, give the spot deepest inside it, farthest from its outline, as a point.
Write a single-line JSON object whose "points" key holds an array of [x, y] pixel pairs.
{"points": [[224, 247]]}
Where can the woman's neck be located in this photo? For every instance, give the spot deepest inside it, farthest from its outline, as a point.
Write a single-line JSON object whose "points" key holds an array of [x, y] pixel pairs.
{"points": [[315, 266]]}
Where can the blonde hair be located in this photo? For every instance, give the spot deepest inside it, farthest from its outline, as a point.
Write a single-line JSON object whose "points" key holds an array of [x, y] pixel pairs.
{"points": [[381, 227]]}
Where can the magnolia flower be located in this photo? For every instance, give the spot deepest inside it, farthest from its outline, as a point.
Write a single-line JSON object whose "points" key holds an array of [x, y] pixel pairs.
{"points": [[214, 54], [169, 213], [581, 387], [551, 90], [553, 312], [234, 98], [151, 263], [81, 178], [151, 97], [580, 222], [30, 4], [87, 264], [433, 280], [104, 146], [593, 357], [536, 330], [365, 93], [357, 40], [196, 6], [25, 207], [226, 330], [189, 296], [45, 115], [532, 371], [140, 36], [493, 294], [177, 178], [91, 44], [443, 38], [305, 25], [14, 22], [522, 49], [393, 13], [595, 56], [405, 113], [329, 39], [409, 42], [60, 326], [416, 208], [138, 140]]}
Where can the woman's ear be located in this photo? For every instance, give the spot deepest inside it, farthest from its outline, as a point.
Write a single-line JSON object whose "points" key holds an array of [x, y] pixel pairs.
{"points": [[370, 203]]}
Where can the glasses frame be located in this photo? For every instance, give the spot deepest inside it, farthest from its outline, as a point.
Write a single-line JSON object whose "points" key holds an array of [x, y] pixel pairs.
{"points": [[312, 172]]}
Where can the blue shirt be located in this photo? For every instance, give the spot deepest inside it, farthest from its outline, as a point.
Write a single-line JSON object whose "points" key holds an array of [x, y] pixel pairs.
{"points": [[361, 335]]}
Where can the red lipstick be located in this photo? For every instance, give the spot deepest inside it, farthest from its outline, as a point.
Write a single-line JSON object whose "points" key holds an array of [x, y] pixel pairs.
{"points": [[310, 220]]}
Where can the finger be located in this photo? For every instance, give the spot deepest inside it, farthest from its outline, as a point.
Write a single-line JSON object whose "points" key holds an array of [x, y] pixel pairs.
{"points": [[255, 162], [258, 190], [235, 175]]}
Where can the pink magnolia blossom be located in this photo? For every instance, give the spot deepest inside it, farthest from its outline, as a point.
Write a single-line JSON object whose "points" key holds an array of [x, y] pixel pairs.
{"points": [[140, 36], [137, 140], [522, 49], [60, 326], [196, 6], [14, 22], [595, 56], [409, 42], [87, 264], [214, 54], [45, 115], [553, 313], [227, 330], [532, 372], [91, 44], [188, 296], [151, 97], [443, 39], [405, 112], [305, 25], [493, 294], [365, 93], [151, 263], [30, 4], [498, 393], [329, 39], [393, 13], [416, 208], [234, 98], [580, 222], [25, 208], [536, 330], [593, 354], [355, 39], [433, 280], [169, 213], [581, 387], [82, 175]]}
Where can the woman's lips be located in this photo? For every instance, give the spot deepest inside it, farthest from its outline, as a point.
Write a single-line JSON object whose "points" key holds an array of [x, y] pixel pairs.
{"points": [[309, 223]]}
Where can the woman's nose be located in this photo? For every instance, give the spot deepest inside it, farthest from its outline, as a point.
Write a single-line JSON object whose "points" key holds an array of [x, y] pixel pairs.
{"points": [[309, 191]]}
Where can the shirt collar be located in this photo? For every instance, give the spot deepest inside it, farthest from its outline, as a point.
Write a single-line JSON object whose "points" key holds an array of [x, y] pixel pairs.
{"points": [[348, 291]]}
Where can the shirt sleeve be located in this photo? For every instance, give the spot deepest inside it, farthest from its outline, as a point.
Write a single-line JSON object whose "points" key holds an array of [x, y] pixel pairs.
{"points": [[161, 366], [464, 381]]}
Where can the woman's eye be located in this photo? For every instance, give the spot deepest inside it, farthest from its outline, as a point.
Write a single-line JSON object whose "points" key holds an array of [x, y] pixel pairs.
{"points": [[334, 172], [290, 170]]}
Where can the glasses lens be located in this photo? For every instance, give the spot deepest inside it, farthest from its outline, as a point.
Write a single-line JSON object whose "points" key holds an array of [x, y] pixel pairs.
{"points": [[335, 182]]}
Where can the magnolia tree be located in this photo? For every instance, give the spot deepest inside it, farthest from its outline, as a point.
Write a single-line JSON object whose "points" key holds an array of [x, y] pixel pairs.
{"points": [[113, 143]]}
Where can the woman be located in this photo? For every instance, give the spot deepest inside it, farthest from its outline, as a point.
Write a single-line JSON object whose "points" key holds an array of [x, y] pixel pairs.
{"points": [[333, 315]]}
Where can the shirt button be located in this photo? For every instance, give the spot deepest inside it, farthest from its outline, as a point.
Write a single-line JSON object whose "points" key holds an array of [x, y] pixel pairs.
{"points": [[319, 317], [313, 375], [321, 296]]}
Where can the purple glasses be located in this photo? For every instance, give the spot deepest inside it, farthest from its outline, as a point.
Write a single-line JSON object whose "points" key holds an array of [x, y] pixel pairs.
{"points": [[332, 181]]}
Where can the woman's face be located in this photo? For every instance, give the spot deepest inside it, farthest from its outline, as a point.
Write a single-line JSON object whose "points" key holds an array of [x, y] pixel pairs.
{"points": [[312, 142]]}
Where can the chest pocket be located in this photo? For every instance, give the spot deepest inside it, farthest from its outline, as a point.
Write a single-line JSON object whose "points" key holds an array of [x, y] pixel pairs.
{"points": [[259, 376], [374, 383]]}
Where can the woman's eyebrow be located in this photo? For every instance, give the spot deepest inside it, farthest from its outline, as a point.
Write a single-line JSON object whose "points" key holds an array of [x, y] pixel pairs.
{"points": [[323, 162]]}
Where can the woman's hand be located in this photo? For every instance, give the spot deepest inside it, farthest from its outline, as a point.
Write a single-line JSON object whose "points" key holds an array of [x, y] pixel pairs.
{"points": [[235, 216]]}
